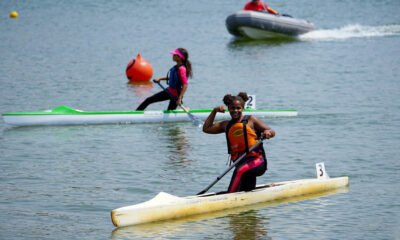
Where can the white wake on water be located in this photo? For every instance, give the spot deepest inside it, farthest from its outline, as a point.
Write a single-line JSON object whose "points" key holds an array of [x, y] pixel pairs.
{"points": [[351, 31]]}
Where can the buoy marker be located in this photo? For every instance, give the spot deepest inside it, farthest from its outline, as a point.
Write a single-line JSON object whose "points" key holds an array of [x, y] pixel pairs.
{"points": [[14, 14], [139, 69]]}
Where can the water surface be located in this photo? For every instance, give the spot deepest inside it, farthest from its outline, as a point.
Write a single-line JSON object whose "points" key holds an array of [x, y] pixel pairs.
{"points": [[62, 182]]}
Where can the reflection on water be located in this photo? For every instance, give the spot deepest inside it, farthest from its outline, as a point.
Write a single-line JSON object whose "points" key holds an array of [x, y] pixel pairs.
{"points": [[178, 145], [141, 90], [245, 42], [248, 222], [248, 225]]}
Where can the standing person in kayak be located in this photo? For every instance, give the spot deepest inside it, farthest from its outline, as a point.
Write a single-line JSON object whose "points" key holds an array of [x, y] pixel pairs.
{"points": [[177, 79], [241, 133], [258, 5]]}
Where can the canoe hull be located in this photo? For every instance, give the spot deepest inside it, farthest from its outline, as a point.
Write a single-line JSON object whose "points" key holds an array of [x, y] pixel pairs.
{"points": [[165, 206], [68, 116], [258, 25]]}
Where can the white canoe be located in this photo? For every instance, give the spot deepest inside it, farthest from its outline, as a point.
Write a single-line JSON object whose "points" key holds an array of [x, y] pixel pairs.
{"points": [[165, 206], [63, 115], [260, 25]]}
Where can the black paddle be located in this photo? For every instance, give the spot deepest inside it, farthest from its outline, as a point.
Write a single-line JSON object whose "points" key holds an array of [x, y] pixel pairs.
{"points": [[194, 119], [237, 161]]}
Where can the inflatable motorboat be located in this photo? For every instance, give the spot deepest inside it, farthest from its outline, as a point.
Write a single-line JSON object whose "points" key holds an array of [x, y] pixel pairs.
{"points": [[261, 25]]}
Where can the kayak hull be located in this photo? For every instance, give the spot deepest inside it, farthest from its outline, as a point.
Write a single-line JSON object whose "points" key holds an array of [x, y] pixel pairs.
{"points": [[63, 115], [165, 206], [259, 25]]}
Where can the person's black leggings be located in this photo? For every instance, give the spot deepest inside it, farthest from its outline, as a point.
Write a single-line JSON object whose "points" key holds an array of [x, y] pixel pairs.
{"points": [[158, 97]]}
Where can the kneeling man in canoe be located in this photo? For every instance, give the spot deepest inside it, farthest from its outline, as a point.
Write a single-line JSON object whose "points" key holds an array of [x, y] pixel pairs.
{"points": [[242, 133]]}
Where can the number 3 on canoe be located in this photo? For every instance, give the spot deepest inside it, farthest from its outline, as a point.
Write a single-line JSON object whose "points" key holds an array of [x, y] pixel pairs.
{"points": [[321, 172]]}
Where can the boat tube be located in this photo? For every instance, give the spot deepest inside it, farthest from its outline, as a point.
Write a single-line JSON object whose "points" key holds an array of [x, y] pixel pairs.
{"points": [[260, 25]]}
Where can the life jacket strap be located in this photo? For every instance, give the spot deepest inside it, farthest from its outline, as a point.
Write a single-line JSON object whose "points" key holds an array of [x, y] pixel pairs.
{"points": [[246, 142]]}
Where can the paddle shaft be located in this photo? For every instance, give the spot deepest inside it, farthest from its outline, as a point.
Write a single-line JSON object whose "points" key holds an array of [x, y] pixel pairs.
{"points": [[195, 120], [237, 161]]}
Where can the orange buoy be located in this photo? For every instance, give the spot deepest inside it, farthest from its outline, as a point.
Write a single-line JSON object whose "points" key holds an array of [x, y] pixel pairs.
{"points": [[139, 69]]}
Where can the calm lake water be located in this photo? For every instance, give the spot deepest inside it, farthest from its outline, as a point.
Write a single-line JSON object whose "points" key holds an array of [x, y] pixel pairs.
{"points": [[344, 79]]}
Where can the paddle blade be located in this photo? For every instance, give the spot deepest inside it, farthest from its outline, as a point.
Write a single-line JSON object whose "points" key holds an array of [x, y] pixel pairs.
{"points": [[199, 124], [196, 121]]}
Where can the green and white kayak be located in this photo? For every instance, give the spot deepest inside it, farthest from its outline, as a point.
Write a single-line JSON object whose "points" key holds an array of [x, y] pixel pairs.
{"points": [[64, 115]]}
